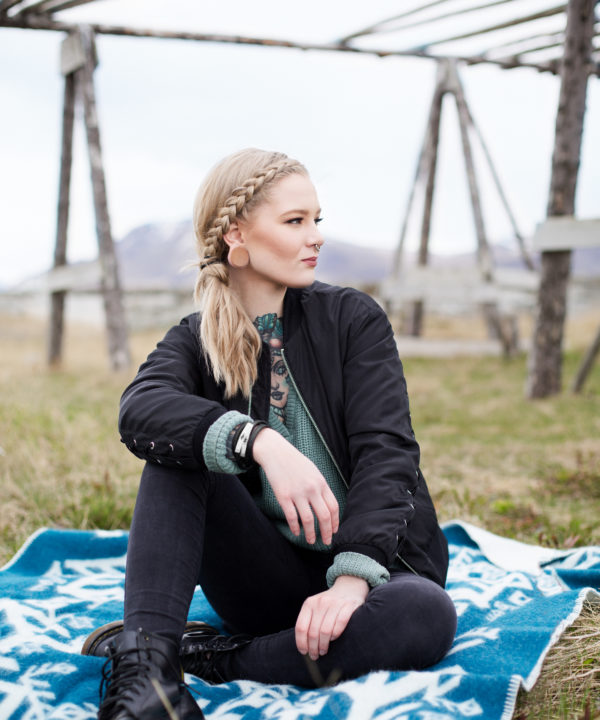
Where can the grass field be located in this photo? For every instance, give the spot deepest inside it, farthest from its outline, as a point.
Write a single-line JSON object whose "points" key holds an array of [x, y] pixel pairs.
{"points": [[529, 470]]}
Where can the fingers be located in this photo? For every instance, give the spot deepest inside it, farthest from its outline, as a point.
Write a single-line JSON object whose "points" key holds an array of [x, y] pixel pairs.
{"points": [[302, 510], [302, 626], [321, 501], [334, 509], [291, 516], [341, 621], [319, 624], [299, 486], [307, 519]]}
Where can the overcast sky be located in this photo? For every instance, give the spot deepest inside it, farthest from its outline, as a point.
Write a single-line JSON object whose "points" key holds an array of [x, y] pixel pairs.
{"points": [[170, 109]]}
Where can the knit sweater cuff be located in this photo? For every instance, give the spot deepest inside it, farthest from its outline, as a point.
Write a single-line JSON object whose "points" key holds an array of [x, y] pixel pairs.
{"points": [[362, 566], [214, 449]]}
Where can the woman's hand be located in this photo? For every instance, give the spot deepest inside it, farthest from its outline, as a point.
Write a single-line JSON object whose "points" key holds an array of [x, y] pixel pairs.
{"points": [[298, 486], [324, 617]]}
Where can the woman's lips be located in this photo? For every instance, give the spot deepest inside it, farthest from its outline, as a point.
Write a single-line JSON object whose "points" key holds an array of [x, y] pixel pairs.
{"points": [[311, 261]]}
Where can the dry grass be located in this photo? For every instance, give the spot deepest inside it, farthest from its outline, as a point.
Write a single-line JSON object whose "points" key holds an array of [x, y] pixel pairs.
{"points": [[61, 462], [571, 673], [522, 469]]}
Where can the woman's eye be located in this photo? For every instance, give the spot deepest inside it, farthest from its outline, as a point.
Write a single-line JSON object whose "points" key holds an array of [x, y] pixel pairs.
{"points": [[295, 221], [318, 220]]}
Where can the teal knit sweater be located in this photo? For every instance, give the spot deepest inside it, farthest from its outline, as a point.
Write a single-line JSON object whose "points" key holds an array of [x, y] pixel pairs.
{"points": [[299, 430]]}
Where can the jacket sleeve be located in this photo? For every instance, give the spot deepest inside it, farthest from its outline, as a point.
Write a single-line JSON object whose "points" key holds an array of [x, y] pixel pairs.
{"points": [[384, 454], [165, 414]]}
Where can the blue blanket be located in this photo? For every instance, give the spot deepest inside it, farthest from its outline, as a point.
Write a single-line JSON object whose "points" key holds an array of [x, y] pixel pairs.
{"points": [[513, 603]]}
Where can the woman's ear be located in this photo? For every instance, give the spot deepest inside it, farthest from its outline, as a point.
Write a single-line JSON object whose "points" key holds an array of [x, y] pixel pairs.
{"points": [[233, 236]]}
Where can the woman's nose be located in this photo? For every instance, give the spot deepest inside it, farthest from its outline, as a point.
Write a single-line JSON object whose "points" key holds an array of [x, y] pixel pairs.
{"points": [[315, 236]]}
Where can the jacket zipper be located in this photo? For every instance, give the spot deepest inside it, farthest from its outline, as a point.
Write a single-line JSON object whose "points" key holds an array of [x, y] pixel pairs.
{"points": [[403, 561], [333, 460], [314, 424]]}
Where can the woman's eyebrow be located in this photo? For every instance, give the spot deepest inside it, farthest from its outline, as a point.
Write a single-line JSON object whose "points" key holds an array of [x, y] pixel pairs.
{"points": [[301, 212]]}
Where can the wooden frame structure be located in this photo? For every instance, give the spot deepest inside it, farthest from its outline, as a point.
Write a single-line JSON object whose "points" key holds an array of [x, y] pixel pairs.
{"points": [[541, 50], [78, 61], [448, 83], [505, 33]]}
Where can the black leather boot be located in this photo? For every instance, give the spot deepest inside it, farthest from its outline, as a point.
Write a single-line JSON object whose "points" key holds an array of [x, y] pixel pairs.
{"points": [[201, 648], [143, 680], [101, 639]]}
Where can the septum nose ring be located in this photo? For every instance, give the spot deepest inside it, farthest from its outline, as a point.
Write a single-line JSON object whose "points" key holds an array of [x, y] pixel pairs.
{"points": [[317, 248]]}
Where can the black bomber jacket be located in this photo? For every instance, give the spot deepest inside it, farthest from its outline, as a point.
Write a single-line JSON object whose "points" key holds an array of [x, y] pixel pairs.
{"points": [[341, 352]]}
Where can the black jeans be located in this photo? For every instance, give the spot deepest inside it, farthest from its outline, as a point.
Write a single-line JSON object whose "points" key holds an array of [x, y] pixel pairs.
{"points": [[193, 527]]}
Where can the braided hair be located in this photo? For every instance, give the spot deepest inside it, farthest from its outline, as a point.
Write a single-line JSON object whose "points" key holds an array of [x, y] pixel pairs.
{"points": [[232, 189]]}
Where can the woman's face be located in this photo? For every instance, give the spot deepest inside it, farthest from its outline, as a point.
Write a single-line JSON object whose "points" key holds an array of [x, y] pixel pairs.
{"points": [[280, 234]]}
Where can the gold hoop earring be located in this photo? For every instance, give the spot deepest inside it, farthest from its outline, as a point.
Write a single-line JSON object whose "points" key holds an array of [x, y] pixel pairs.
{"points": [[238, 257]]}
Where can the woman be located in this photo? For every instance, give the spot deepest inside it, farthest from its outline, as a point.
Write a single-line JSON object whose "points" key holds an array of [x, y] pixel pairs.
{"points": [[282, 470]]}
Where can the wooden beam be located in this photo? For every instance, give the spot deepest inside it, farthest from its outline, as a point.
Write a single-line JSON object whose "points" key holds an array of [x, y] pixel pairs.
{"points": [[419, 171], [51, 6], [436, 18], [511, 59], [586, 364], [545, 361], [464, 117], [414, 318], [30, 8], [506, 47], [5, 5], [499, 26], [57, 298], [504, 200], [375, 28], [118, 344], [41, 22], [566, 233], [66, 4]]}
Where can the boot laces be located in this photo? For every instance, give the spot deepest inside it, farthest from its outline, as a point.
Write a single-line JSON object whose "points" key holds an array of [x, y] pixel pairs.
{"points": [[122, 676], [201, 656]]}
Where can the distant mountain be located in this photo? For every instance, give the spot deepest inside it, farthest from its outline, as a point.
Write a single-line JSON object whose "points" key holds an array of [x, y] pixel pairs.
{"points": [[155, 255], [159, 256]]}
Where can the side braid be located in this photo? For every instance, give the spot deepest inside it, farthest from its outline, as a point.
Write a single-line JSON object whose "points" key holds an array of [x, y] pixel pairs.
{"points": [[229, 340], [236, 205]]}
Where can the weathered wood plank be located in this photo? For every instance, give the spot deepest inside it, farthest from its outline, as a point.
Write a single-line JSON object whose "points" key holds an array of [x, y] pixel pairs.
{"points": [[464, 286], [57, 298], [116, 326], [503, 199], [586, 364], [381, 28], [545, 361], [72, 54], [566, 233], [484, 257], [42, 22], [5, 5], [414, 317], [52, 6], [499, 26]]}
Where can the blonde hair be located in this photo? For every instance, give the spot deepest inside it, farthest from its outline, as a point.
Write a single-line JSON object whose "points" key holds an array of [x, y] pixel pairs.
{"points": [[232, 189]]}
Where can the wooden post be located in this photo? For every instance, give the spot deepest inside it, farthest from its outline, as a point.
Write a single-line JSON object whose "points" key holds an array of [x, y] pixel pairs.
{"points": [[545, 360], [57, 298], [483, 249], [495, 325], [414, 317], [587, 363], [118, 344], [501, 194]]}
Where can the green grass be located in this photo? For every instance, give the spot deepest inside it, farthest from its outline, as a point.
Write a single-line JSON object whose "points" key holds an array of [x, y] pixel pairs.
{"points": [[528, 470]]}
